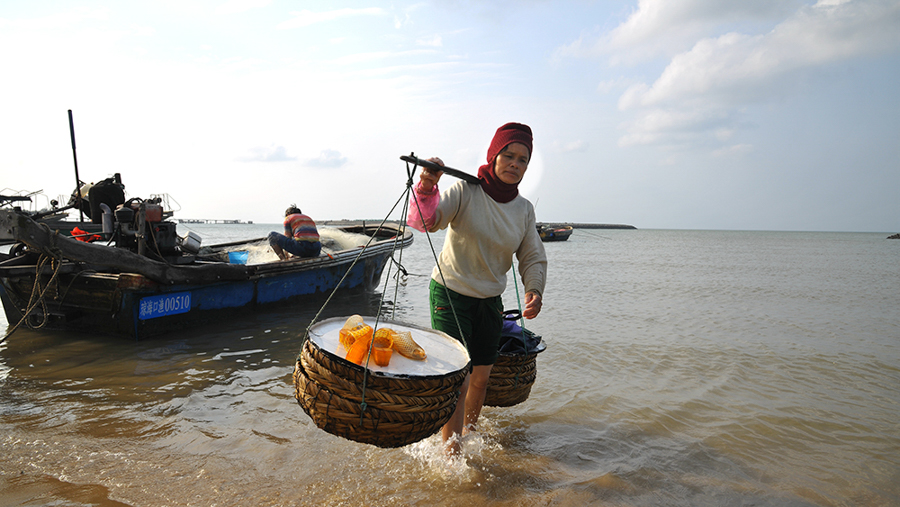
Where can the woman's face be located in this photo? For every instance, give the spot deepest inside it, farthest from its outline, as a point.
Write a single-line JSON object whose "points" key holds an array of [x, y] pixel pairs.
{"points": [[511, 163]]}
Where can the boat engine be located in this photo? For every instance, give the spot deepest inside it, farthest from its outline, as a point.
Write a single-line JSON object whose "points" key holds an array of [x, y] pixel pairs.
{"points": [[140, 228]]}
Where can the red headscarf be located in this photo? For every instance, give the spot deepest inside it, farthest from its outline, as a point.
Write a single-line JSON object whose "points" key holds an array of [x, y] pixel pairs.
{"points": [[506, 135]]}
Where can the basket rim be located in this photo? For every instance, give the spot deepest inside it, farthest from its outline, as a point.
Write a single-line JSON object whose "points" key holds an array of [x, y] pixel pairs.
{"points": [[541, 346], [384, 374], [380, 398]]}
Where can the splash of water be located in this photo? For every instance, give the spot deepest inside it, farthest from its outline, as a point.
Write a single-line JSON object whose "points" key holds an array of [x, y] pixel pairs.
{"points": [[475, 447]]}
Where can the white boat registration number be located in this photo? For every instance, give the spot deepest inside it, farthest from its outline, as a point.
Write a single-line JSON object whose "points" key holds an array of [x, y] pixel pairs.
{"points": [[167, 304]]}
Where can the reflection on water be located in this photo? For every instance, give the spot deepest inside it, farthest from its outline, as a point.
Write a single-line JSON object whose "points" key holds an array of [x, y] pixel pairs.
{"points": [[688, 368]]}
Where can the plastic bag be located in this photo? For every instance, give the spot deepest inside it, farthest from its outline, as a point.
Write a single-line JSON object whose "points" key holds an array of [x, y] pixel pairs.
{"points": [[513, 339]]}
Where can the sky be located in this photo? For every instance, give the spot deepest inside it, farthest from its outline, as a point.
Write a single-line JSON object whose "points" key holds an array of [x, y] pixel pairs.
{"points": [[661, 114]]}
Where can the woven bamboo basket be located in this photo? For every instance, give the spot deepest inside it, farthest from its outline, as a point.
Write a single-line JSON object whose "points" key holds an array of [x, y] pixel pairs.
{"points": [[391, 406], [512, 377]]}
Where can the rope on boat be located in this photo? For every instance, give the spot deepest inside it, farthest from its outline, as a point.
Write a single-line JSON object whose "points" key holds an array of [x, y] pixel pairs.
{"points": [[36, 299], [33, 301]]}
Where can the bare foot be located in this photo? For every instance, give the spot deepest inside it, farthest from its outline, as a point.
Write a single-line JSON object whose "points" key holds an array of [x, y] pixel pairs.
{"points": [[452, 448]]}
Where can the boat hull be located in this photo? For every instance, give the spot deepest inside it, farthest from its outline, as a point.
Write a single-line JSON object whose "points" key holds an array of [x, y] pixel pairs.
{"points": [[554, 233], [128, 304]]}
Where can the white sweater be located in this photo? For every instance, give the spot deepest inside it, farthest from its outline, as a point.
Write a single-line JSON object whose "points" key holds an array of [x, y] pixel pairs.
{"points": [[483, 235]]}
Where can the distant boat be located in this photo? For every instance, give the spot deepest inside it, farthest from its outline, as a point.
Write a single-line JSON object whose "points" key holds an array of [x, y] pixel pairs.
{"points": [[148, 281], [554, 232]]}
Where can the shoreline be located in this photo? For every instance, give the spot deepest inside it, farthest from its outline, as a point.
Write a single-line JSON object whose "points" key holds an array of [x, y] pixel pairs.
{"points": [[575, 225]]}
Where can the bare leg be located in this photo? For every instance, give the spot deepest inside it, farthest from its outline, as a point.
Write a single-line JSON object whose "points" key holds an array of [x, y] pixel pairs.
{"points": [[453, 428], [475, 396]]}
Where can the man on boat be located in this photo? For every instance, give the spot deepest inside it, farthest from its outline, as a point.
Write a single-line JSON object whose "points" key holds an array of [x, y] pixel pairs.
{"points": [[300, 238]]}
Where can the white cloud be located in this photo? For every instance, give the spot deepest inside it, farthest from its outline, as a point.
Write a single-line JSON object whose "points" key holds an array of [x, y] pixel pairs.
{"points": [[663, 26], [731, 62], [702, 90], [358, 58], [236, 6], [677, 125], [579, 145], [724, 134], [266, 154], [328, 158], [611, 85], [406, 18], [434, 41], [307, 18], [733, 150], [667, 27]]}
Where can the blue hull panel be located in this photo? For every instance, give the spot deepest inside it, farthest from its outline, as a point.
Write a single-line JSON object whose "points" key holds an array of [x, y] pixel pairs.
{"points": [[206, 302], [271, 290]]}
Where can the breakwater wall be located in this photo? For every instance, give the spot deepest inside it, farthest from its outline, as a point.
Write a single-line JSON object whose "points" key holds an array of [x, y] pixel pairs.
{"points": [[209, 221], [583, 225]]}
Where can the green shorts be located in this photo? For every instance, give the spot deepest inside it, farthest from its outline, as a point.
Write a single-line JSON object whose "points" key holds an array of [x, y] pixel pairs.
{"points": [[481, 321]]}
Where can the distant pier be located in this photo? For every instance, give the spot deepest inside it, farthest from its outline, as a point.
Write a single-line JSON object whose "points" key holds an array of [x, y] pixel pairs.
{"points": [[578, 225], [209, 221]]}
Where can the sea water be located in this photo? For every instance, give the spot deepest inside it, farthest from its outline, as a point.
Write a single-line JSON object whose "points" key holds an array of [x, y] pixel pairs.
{"points": [[682, 368]]}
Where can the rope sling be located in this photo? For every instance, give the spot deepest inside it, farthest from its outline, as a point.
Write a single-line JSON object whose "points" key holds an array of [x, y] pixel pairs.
{"points": [[405, 198]]}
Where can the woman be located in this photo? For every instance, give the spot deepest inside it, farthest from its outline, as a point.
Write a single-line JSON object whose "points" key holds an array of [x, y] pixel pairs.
{"points": [[488, 224]]}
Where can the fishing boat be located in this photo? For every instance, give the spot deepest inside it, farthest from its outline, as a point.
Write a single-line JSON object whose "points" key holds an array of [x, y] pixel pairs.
{"points": [[139, 278], [554, 232]]}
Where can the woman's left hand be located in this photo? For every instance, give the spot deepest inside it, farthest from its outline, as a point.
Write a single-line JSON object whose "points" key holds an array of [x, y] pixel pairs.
{"points": [[532, 305]]}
